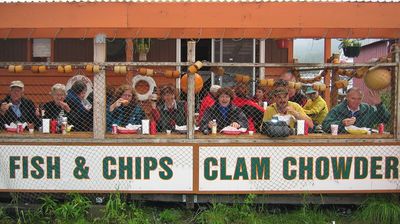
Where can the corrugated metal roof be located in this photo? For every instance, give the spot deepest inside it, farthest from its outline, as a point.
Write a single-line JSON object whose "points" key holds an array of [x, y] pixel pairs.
{"points": [[228, 1]]}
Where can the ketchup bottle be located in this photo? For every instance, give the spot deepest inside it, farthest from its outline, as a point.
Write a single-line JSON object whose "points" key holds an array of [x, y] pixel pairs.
{"points": [[53, 126], [153, 128]]}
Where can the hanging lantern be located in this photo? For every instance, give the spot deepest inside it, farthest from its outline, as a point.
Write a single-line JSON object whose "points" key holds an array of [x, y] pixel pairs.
{"points": [[282, 43]]}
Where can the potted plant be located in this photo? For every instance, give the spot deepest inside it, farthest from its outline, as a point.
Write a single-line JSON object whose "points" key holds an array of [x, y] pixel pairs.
{"points": [[351, 47], [142, 46]]}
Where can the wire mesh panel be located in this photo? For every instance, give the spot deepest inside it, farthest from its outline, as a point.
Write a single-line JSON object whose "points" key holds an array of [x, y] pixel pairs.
{"points": [[298, 168], [47, 102], [110, 168]]}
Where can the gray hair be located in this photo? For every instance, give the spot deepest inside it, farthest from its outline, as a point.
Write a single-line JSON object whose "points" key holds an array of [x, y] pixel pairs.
{"points": [[58, 87], [355, 89]]}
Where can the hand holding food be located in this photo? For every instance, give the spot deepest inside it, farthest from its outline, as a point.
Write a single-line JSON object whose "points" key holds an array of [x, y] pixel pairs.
{"points": [[349, 121]]}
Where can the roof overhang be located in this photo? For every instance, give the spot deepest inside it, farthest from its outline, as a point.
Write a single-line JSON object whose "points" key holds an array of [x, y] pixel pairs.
{"points": [[200, 20]]}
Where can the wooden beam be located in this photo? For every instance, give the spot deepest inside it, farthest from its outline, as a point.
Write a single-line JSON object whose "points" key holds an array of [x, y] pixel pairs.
{"points": [[180, 20]]}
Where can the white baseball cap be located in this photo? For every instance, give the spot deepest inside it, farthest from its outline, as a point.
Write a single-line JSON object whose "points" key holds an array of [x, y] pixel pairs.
{"points": [[17, 83]]}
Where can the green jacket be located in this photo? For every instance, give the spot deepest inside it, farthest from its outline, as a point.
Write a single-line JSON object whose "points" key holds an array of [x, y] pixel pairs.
{"points": [[368, 116]]}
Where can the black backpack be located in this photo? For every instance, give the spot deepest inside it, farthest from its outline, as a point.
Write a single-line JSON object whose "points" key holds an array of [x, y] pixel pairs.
{"points": [[276, 129]]}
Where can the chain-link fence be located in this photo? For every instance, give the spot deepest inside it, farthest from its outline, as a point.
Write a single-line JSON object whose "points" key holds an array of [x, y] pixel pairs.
{"points": [[147, 99]]}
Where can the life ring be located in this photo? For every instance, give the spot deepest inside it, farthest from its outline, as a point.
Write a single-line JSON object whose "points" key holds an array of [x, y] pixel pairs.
{"points": [[150, 81], [86, 80]]}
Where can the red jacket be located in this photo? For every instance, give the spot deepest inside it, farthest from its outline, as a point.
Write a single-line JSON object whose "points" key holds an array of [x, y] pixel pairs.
{"points": [[207, 102], [252, 110]]}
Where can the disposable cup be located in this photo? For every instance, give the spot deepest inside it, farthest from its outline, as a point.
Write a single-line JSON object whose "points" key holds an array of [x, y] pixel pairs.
{"points": [[334, 129], [251, 132], [168, 132]]}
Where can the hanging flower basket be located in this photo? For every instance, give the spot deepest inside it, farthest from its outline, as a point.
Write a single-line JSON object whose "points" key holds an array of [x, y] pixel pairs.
{"points": [[142, 46], [282, 43], [351, 52], [351, 47]]}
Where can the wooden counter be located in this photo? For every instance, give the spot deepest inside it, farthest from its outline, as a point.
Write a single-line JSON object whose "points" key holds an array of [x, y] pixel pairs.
{"points": [[198, 135]]}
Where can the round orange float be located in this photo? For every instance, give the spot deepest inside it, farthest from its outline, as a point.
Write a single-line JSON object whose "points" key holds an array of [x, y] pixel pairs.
{"points": [[198, 83], [377, 79]]}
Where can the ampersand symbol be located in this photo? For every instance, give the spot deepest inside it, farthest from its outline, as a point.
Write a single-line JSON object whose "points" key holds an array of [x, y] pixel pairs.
{"points": [[81, 172]]}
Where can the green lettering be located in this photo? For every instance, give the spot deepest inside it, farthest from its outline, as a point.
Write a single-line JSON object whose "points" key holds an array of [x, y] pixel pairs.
{"points": [[25, 163], [38, 173], [341, 168], [150, 163], [322, 168], [241, 169], [108, 173], [224, 176], [289, 161], [375, 167], [13, 165], [165, 163], [138, 168], [53, 168], [360, 167], [391, 167], [303, 168], [208, 162], [125, 168], [260, 168]]}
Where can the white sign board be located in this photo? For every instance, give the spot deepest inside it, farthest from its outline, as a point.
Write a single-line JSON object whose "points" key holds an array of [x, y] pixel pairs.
{"points": [[97, 168], [299, 168], [42, 48]]}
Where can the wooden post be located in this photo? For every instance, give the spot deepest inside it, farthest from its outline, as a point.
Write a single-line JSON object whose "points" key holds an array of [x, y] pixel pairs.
{"points": [[191, 56], [327, 78], [99, 89], [396, 92], [262, 58], [129, 57]]}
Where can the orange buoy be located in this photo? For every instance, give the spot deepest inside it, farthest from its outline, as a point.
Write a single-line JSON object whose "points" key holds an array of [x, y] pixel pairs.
{"points": [[198, 83], [377, 79]]}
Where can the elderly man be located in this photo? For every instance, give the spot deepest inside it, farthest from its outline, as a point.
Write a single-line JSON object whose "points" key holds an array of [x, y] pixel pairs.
{"points": [[15, 107], [208, 101], [352, 112], [283, 107], [315, 107]]}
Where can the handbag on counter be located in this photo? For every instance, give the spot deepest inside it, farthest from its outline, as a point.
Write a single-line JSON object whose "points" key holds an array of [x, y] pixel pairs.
{"points": [[276, 129]]}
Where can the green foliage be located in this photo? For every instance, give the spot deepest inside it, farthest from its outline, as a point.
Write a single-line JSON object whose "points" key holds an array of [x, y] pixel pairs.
{"points": [[73, 210], [349, 43], [4, 218], [380, 210], [171, 216], [142, 45], [137, 216], [48, 207], [116, 209], [237, 213]]}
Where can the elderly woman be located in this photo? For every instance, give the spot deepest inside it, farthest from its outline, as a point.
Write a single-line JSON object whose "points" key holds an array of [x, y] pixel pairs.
{"points": [[125, 109], [224, 112], [53, 108], [169, 112], [80, 115]]}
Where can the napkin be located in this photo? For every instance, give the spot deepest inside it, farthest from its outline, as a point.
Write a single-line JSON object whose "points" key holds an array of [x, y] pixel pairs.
{"points": [[133, 126], [233, 129]]}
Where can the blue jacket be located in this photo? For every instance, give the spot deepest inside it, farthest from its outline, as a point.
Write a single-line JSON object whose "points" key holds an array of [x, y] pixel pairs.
{"points": [[368, 116], [125, 115]]}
